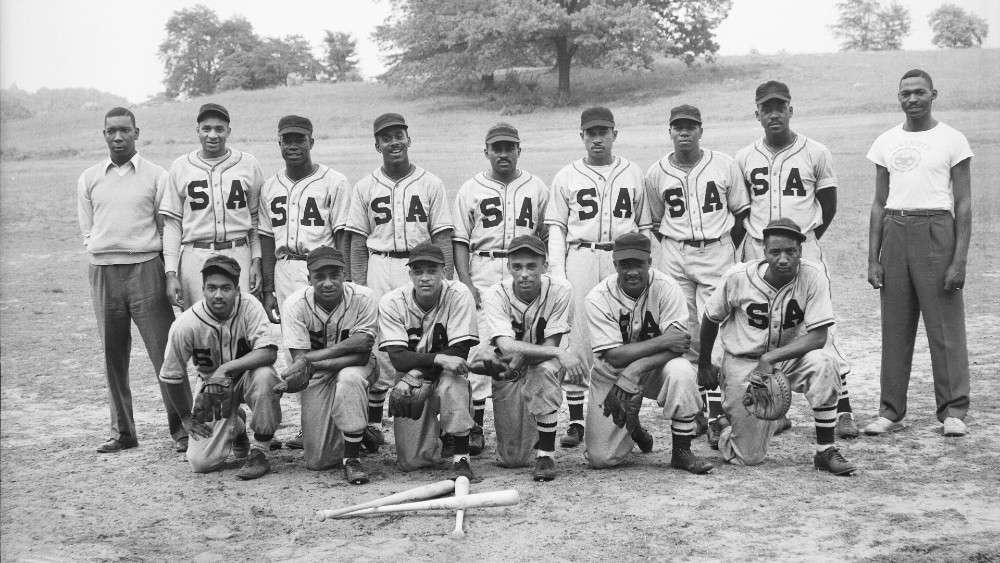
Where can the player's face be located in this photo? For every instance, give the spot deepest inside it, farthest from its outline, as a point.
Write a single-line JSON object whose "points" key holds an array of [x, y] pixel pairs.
{"points": [[220, 295], [503, 157], [774, 116], [394, 145], [427, 278], [916, 97], [599, 141], [328, 284], [295, 148], [686, 135], [633, 275], [213, 132], [120, 134], [526, 268], [783, 255]]}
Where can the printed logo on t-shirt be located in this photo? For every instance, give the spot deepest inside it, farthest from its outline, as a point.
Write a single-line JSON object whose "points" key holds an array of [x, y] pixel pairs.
{"points": [[904, 159]]}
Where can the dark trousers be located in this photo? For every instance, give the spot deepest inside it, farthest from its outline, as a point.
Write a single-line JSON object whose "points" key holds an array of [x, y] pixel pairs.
{"points": [[123, 293], [916, 251]]}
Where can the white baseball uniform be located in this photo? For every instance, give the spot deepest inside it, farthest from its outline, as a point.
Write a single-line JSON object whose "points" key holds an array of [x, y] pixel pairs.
{"points": [[216, 203], [402, 322], [617, 319], [209, 342], [756, 318], [339, 404], [534, 398]]}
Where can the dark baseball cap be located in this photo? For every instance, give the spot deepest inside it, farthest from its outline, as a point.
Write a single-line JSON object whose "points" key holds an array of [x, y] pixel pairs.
{"points": [[324, 256], [527, 242], [631, 245], [596, 117], [685, 111], [222, 264], [426, 252], [387, 120], [502, 132], [772, 90], [210, 109], [784, 227], [295, 124]]}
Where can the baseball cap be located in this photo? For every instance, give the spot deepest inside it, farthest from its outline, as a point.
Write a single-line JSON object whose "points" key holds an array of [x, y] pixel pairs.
{"points": [[295, 124], [502, 132], [785, 227], [527, 242], [596, 117], [426, 252], [210, 109], [771, 90], [631, 245], [324, 256], [222, 264], [685, 111], [387, 120]]}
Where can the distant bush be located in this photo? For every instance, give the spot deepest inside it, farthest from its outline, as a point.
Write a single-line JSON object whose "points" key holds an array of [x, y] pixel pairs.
{"points": [[12, 108]]}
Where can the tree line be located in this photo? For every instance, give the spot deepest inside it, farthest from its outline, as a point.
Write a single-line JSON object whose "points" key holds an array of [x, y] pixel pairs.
{"points": [[875, 25]]}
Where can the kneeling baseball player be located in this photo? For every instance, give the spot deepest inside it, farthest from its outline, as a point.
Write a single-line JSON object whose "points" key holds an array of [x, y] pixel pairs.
{"points": [[528, 316], [230, 340], [330, 328], [773, 316], [427, 328], [638, 330]]}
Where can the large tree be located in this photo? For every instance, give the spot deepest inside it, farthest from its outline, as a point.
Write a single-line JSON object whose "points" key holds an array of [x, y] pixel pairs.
{"points": [[871, 25], [954, 27], [341, 56]]}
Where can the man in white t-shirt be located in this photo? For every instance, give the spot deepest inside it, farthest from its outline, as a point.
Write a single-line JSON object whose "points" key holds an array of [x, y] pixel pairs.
{"points": [[919, 240]]}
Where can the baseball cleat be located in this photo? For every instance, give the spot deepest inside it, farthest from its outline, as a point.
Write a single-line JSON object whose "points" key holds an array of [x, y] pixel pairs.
{"points": [[354, 473], [544, 469], [255, 466], [831, 460], [686, 460], [241, 446], [715, 427], [477, 442], [573, 437], [116, 445], [846, 426], [882, 425], [296, 442], [701, 424], [784, 425], [954, 427], [643, 439], [462, 468], [372, 438]]}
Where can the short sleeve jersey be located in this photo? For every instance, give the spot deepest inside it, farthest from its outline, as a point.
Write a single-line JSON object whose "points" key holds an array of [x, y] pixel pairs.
{"points": [[490, 214], [755, 317], [305, 325], [302, 215], [550, 313], [403, 322]]}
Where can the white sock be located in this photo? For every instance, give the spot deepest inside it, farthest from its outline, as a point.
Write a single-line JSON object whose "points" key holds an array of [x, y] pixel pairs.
{"points": [[459, 457], [823, 447], [543, 453]]}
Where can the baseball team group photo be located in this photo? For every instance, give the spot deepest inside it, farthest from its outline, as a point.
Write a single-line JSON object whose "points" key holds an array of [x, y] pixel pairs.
{"points": [[684, 306]]}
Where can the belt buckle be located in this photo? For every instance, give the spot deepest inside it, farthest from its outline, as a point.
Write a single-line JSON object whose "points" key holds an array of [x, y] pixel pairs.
{"points": [[902, 213]]}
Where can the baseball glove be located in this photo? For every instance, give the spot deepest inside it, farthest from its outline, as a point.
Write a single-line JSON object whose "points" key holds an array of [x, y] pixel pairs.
{"points": [[410, 404], [768, 395], [497, 368], [215, 401], [623, 407], [296, 377]]}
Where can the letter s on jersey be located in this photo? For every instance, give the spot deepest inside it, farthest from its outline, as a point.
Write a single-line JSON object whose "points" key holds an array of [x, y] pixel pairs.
{"points": [[380, 206], [757, 315], [587, 199], [490, 209], [197, 194]]}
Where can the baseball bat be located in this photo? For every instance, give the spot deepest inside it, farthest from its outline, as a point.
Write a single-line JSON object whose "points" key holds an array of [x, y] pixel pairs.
{"points": [[479, 500], [461, 490], [417, 493]]}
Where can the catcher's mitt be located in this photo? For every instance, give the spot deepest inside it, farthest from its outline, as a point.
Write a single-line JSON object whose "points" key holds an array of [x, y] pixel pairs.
{"points": [[215, 401], [768, 395], [296, 377], [623, 407], [410, 404]]}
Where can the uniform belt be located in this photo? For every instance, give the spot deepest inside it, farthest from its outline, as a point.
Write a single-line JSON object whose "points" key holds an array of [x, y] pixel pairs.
{"points": [[291, 256], [220, 245], [699, 243], [492, 253], [391, 253], [598, 245], [917, 212]]}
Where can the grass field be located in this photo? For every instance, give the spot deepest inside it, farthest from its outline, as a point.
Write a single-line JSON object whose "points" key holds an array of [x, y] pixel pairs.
{"points": [[917, 497]]}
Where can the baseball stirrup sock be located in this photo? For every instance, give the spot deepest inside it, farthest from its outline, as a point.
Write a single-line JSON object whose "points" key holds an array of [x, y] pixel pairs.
{"points": [[546, 425], [461, 445], [575, 401], [826, 422], [682, 430], [715, 403], [376, 398], [478, 410], [261, 441], [352, 445], [844, 404]]}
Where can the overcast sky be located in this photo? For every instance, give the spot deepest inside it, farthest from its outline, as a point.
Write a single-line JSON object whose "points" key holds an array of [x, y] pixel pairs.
{"points": [[112, 44]]}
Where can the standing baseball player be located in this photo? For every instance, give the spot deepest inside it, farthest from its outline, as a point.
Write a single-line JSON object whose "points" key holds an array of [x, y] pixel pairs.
{"points": [[789, 175], [392, 210], [638, 328], [427, 328], [493, 208], [233, 346], [774, 314], [330, 328], [592, 202], [698, 200], [921, 223], [211, 208], [117, 203], [527, 317]]}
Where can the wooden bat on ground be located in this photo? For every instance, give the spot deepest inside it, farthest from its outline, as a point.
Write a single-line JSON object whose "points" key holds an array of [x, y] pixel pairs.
{"points": [[461, 490], [417, 493], [508, 497]]}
